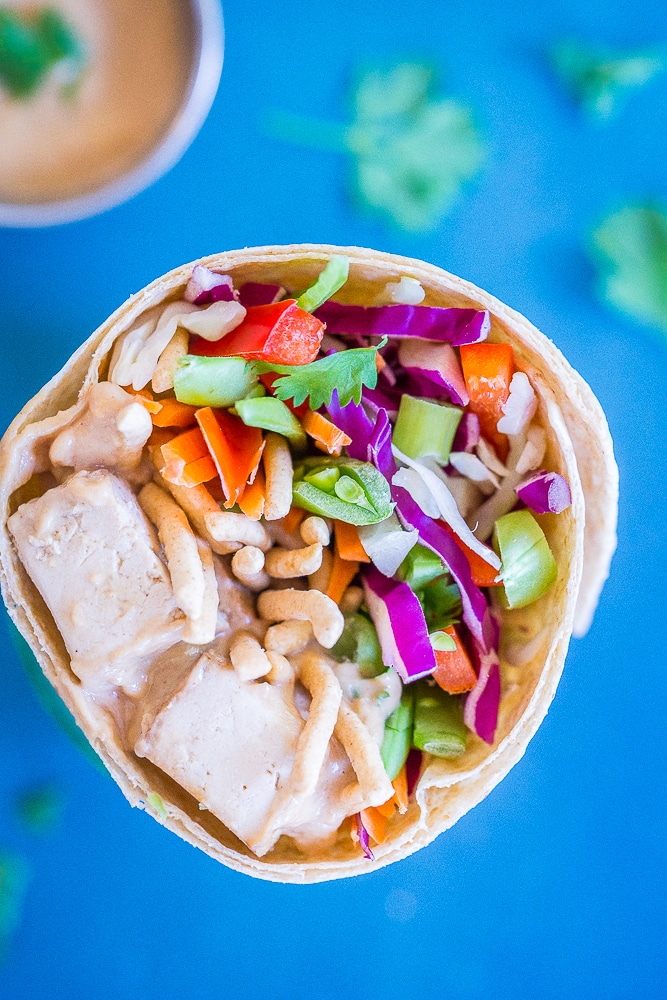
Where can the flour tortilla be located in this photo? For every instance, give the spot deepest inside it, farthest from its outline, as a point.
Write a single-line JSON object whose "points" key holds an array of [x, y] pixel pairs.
{"points": [[582, 538]]}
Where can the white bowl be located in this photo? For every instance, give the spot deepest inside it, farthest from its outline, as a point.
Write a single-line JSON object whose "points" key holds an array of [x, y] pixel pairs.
{"points": [[200, 90]]}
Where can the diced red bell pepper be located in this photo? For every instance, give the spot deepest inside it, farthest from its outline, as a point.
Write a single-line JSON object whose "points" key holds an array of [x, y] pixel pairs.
{"points": [[488, 370], [454, 672], [280, 333]]}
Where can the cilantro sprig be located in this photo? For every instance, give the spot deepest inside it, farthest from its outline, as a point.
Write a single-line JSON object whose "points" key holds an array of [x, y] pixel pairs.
{"points": [[32, 43], [412, 151], [630, 250], [346, 371], [600, 80]]}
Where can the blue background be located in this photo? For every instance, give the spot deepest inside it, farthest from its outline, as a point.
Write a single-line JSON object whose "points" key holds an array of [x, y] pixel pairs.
{"points": [[555, 885]]}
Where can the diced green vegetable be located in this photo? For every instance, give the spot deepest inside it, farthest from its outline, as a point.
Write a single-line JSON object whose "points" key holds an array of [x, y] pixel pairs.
{"points": [[346, 372], [442, 641], [420, 567], [346, 489], [330, 280], [425, 429], [375, 493], [271, 414], [359, 643], [398, 734], [438, 727], [323, 479], [212, 381], [528, 565]]}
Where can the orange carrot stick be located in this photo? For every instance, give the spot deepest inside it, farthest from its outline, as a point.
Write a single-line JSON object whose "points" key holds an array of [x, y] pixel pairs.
{"points": [[292, 520], [342, 574], [400, 784], [172, 413], [251, 501], [235, 449], [186, 459], [483, 574], [375, 823], [324, 433], [454, 672], [348, 545], [144, 396]]}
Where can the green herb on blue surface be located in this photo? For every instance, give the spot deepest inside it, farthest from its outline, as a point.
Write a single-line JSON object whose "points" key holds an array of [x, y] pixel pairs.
{"points": [[14, 878], [630, 249], [40, 809], [34, 43], [412, 151], [599, 80]]}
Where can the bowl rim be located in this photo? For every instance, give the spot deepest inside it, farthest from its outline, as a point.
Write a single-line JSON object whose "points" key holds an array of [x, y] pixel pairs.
{"points": [[200, 91]]}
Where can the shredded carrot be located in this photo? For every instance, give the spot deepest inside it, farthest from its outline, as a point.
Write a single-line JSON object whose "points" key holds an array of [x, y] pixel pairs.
{"points": [[292, 520], [324, 433], [380, 363], [388, 808], [144, 396], [400, 784], [187, 460], [160, 436], [348, 545], [454, 672], [251, 501], [235, 448], [483, 574], [375, 823], [172, 413], [342, 574]]}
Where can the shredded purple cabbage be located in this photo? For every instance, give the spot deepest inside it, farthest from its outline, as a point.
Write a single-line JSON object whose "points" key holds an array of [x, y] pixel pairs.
{"points": [[475, 609], [205, 286], [254, 293], [468, 433], [400, 624], [354, 422], [362, 833], [480, 712], [435, 369], [413, 766], [545, 493], [448, 325]]}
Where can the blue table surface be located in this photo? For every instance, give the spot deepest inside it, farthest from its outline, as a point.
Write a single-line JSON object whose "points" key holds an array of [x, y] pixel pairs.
{"points": [[555, 885]]}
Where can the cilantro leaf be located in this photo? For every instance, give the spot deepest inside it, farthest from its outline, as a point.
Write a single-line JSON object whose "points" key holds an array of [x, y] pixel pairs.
{"points": [[411, 152], [346, 371], [31, 44], [630, 248], [40, 809], [14, 879], [600, 80]]}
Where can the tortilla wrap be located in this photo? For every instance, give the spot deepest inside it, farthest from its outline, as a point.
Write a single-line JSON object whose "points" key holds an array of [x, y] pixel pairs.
{"points": [[582, 539]]}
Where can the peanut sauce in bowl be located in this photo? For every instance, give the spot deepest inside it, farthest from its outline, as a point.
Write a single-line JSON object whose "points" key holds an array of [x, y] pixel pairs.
{"points": [[149, 72]]}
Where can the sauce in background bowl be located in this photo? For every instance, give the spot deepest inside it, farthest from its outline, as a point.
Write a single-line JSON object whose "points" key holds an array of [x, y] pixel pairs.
{"points": [[151, 73]]}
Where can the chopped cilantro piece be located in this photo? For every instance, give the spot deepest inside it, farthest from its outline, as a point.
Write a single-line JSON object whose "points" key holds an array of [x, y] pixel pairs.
{"points": [[346, 371], [412, 151], [600, 80], [630, 248], [31, 44], [40, 809], [14, 878]]}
